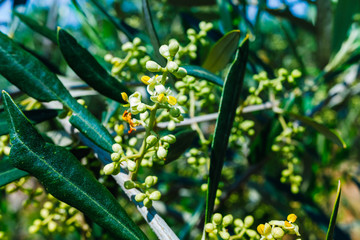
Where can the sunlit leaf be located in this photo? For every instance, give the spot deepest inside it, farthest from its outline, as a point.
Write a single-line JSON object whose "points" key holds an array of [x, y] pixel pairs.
{"points": [[228, 104], [220, 54], [64, 177]]}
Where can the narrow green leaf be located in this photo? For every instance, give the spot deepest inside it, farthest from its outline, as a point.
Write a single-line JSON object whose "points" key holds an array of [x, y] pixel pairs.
{"points": [[41, 29], [221, 53], [64, 177], [332, 223], [184, 139], [228, 104], [32, 77], [329, 134], [88, 69], [28, 73], [224, 14], [35, 116], [150, 29], [8, 173], [120, 25], [202, 73]]}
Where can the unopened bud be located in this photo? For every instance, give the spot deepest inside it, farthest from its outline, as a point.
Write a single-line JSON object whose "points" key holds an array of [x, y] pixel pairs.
{"points": [[109, 169], [164, 51], [169, 138], [248, 221], [151, 140], [131, 165], [152, 66], [127, 46], [161, 153], [140, 197], [181, 72], [173, 47], [172, 66], [129, 184], [217, 218], [116, 148], [155, 196], [277, 232]]}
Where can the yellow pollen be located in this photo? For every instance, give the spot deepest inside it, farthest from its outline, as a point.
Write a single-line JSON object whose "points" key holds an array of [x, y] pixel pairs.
{"points": [[125, 96], [291, 218], [261, 228], [145, 79], [287, 224], [160, 97], [172, 100]]}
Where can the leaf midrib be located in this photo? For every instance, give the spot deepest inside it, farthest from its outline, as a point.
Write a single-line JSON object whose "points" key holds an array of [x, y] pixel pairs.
{"points": [[67, 180], [18, 65]]}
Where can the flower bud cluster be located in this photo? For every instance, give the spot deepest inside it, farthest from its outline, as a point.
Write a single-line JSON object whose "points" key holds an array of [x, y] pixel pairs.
{"points": [[276, 84], [241, 130], [58, 217], [134, 60], [285, 146], [278, 229], [22, 186], [148, 194], [195, 38], [197, 158], [219, 227], [203, 90]]}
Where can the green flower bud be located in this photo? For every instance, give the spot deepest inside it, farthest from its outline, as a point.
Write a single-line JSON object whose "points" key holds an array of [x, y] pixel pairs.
{"points": [[155, 196], [248, 221], [48, 205], [251, 233], [171, 126], [44, 213], [33, 229], [132, 141], [238, 222], [37, 222], [140, 197], [209, 227], [180, 73], [109, 169], [127, 46], [182, 99], [296, 73], [202, 161], [191, 160], [108, 57], [164, 51], [52, 226], [204, 187], [277, 232], [147, 203], [218, 193], [175, 112], [283, 72], [169, 138], [115, 157], [227, 220], [129, 184], [149, 181], [153, 66], [180, 84], [172, 66], [173, 47], [190, 31], [131, 165], [151, 140], [118, 139], [117, 148], [161, 153], [136, 41], [192, 48], [217, 218], [224, 235]]}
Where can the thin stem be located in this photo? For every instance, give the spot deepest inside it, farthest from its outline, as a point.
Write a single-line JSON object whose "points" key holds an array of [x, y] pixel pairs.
{"points": [[195, 125], [142, 151]]}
